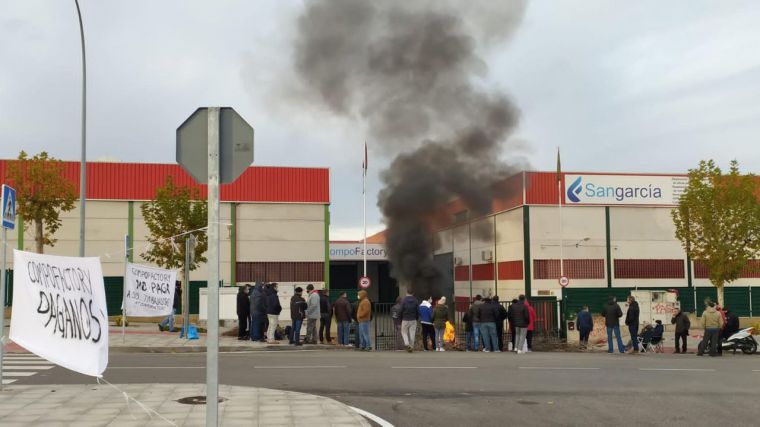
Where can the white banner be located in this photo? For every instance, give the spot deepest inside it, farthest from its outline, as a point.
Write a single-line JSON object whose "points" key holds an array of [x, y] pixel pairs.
{"points": [[150, 291], [59, 310], [624, 189]]}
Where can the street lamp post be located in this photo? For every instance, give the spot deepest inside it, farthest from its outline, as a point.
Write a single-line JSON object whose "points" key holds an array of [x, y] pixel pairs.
{"points": [[83, 160]]}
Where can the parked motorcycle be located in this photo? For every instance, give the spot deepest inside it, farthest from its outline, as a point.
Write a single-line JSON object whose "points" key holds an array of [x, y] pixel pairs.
{"points": [[742, 340]]}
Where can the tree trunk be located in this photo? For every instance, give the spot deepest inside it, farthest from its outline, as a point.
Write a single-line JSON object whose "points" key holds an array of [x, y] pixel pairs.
{"points": [[38, 235], [719, 288]]}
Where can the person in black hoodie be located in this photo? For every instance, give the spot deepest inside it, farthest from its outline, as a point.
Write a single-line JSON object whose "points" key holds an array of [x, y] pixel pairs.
{"points": [[297, 314], [521, 320], [489, 313], [511, 322], [273, 312], [500, 321], [612, 314], [243, 312], [258, 312], [632, 321], [325, 317]]}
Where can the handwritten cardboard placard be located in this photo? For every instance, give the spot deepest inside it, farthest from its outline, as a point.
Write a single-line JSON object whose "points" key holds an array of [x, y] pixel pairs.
{"points": [[150, 291], [59, 310]]}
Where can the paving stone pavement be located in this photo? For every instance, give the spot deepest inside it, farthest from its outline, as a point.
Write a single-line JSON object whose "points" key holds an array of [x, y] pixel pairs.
{"points": [[102, 405]]}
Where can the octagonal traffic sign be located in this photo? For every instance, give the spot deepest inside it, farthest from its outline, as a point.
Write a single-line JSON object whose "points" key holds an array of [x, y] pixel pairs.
{"points": [[235, 145]]}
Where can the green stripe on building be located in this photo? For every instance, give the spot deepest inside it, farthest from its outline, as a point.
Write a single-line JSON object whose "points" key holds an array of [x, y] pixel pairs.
{"points": [[233, 244], [327, 247], [526, 249]]}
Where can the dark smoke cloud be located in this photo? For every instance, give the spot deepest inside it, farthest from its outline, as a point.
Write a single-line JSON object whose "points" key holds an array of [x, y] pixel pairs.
{"points": [[411, 72]]}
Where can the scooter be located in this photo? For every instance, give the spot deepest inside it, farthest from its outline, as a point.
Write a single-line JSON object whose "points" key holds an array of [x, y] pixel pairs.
{"points": [[742, 340]]}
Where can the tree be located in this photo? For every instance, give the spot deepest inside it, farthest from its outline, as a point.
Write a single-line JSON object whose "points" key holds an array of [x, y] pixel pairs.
{"points": [[42, 192], [718, 221], [172, 216]]}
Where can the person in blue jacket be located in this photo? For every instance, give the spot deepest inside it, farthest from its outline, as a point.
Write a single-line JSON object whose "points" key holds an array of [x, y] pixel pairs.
{"points": [[585, 326]]}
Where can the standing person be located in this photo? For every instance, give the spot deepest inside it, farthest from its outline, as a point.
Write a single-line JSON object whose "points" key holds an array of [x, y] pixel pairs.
{"points": [[363, 317], [521, 317], [585, 326], [632, 321], [325, 317], [469, 341], [243, 312], [297, 314], [258, 312], [342, 309], [312, 315], [475, 316], [440, 317], [168, 322], [612, 314], [732, 323], [409, 316], [396, 316], [426, 320], [273, 312], [511, 323], [488, 314], [500, 321], [531, 325], [682, 322], [712, 322]]}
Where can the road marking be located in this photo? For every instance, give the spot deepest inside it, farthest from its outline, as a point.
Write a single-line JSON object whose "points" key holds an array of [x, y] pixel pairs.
{"points": [[28, 362], [677, 369], [381, 422], [8, 381], [17, 366], [18, 374], [156, 367], [434, 367], [27, 367], [300, 367], [552, 368]]}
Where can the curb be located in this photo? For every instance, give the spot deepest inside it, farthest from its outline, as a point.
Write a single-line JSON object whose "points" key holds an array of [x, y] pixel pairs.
{"points": [[225, 349]]}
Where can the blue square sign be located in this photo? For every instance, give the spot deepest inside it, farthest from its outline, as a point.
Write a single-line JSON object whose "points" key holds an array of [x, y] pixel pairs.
{"points": [[8, 205]]}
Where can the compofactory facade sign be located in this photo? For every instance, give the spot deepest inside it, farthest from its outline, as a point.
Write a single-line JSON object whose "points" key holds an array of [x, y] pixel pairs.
{"points": [[591, 189]]}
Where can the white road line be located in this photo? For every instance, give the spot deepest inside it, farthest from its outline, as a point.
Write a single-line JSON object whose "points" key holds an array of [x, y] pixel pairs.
{"points": [[381, 422], [434, 367], [552, 368], [677, 369], [300, 367], [756, 370], [156, 367], [18, 374], [28, 362], [27, 367], [8, 381]]}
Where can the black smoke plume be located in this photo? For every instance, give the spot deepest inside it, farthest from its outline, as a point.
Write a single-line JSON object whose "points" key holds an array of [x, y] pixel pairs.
{"points": [[411, 72]]}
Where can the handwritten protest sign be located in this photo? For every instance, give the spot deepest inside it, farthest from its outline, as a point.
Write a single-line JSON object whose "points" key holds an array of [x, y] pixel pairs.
{"points": [[59, 310], [150, 291]]}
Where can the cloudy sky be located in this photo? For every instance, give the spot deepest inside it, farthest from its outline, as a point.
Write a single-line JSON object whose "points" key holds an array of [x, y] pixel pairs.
{"points": [[645, 86]]}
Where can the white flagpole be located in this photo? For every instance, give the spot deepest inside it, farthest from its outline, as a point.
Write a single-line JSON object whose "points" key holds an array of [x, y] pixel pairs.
{"points": [[559, 204], [364, 205]]}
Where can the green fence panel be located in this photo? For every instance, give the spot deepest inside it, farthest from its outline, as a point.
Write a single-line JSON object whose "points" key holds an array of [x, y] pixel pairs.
{"points": [[114, 293], [595, 298], [351, 294], [195, 287], [737, 299], [702, 295], [754, 293]]}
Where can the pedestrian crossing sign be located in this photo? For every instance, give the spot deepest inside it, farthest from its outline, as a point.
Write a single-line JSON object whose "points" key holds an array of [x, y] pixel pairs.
{"points": [[8, 205]]}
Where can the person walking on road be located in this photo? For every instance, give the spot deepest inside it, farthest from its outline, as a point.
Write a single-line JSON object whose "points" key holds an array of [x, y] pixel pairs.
{"points": [[682, 322], [363, 317], [243, 312], [521, 321], [258, 312], [297, 314], [531, 324], [712, 322], [475, 317], [612, 314], [342, 309], [488, 313], [585, 326], [312, 314], [396, 316], [440, 317], [273, 312], [409, 316], [500, 321], [325, 317], [632, 321], [426, 320]]}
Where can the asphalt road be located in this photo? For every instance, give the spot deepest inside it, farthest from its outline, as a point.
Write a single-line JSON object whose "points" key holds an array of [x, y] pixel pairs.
{"points": [[468, 389]]}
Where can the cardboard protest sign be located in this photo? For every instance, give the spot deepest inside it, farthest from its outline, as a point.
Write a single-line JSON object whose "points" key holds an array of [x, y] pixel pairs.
{"points": [[59, 310], [150, 291]]}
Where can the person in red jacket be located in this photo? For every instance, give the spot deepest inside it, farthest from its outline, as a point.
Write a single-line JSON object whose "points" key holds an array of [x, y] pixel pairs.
{"points": [[531, 324]]}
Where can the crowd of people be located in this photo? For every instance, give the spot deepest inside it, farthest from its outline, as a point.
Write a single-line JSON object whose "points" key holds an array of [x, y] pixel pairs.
{"points": [[718, 324]]}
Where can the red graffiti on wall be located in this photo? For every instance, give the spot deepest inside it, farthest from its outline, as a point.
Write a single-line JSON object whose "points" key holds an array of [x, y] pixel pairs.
{"points": [[661, 308]]}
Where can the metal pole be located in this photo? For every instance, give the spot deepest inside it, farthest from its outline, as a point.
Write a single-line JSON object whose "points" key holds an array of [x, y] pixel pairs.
{"points": [[364, 205], [212, 337], [83, 160], [469, 251], [2, 308], [189, 248], [561, 241], [124, 291]]}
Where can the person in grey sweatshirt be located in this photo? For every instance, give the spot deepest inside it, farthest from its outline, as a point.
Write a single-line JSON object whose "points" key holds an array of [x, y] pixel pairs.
{"points": [[312, 315]]}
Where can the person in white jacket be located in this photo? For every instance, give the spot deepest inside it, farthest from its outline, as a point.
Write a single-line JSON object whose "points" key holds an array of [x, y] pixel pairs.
{"points": [[312, 315]]}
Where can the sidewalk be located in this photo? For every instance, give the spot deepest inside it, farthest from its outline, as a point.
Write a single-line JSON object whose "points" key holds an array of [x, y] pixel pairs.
{"points": [[101, 405], [145, 338]]}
